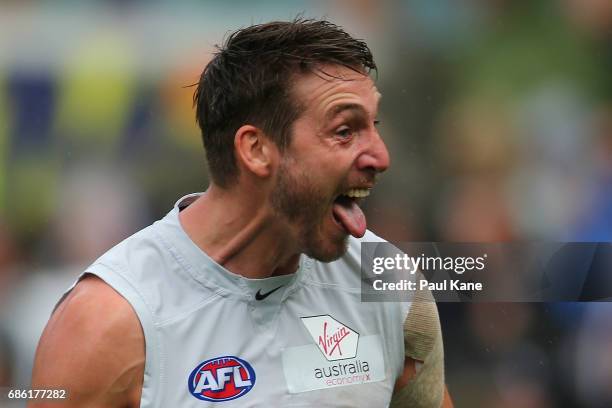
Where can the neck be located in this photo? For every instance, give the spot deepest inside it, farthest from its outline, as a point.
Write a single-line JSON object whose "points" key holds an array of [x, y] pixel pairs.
{"points": [[239, 231]]}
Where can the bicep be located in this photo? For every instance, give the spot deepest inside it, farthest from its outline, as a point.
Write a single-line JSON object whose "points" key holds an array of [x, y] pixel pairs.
{"points": [[92, 347]]}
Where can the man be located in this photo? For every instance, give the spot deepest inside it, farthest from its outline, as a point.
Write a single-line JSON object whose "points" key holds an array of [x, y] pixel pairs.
{"points": [[249, 294]]}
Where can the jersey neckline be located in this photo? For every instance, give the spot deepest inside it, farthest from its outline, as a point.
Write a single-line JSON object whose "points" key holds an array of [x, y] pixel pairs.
{"points": [[212, 275]]}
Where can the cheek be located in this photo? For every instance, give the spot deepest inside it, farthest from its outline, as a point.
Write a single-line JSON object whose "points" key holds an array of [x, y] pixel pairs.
{"points": [[334, 158], [321, 161], [336, 166]]}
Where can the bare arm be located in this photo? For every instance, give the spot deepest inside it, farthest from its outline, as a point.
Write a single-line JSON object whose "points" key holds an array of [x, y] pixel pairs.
{"points": [[422, 382], [93, 347]]}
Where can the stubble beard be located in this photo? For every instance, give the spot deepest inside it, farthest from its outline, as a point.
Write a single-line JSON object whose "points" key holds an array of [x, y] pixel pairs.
{"points": [[298, 199]]}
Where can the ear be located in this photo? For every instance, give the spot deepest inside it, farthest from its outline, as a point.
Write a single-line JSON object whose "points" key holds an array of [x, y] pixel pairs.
{"points": [[256, 152]]}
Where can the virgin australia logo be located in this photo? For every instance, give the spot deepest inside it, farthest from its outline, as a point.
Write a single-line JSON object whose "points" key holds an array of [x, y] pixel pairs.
{"points": [[335, 340]]}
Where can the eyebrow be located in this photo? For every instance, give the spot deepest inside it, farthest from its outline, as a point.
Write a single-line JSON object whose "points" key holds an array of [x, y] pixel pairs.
{"points": [[336, 110]]}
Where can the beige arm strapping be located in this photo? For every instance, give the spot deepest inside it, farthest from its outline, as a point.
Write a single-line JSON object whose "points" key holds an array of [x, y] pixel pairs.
{"points": [[423, 342]]}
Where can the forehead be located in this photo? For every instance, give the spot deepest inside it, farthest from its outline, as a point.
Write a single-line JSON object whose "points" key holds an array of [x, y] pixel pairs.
{"points": [[330, 86]]}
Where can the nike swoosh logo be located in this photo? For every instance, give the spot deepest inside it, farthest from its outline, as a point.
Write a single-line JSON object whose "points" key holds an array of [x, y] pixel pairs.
{"points": [[262, 296]]}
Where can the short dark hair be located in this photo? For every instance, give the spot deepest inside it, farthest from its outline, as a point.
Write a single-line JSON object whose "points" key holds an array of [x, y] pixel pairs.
{"points": [[248, 82]]}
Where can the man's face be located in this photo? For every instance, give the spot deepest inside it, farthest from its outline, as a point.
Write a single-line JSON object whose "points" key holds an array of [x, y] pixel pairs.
{"points": [[335, 153]]}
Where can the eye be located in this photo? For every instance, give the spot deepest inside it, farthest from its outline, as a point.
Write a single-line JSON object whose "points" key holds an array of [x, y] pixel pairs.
{"points": [[376, 122], [344, 132]]}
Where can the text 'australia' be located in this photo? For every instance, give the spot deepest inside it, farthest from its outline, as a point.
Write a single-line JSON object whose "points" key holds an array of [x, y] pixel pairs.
{"points": [[339, 369]]}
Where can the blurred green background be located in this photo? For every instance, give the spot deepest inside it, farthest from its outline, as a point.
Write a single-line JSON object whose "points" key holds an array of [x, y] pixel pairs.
{"points": [[497, 115]]}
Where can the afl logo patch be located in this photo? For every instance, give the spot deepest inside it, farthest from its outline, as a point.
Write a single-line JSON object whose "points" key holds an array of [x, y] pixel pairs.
{"points": [[221, 379]]}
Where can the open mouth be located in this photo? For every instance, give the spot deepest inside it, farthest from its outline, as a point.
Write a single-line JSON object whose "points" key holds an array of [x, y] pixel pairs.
{"points": [[346, 211]]}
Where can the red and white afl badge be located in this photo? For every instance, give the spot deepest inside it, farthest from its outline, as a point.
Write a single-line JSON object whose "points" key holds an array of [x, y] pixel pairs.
{"points": [[221, 379], [338, 356]]}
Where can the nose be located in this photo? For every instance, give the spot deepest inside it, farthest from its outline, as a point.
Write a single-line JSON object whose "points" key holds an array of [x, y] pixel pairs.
{"points": [[375, 156]]}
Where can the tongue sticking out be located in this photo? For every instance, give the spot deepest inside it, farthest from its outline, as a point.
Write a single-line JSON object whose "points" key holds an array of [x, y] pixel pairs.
{"points": [[351, 217]]}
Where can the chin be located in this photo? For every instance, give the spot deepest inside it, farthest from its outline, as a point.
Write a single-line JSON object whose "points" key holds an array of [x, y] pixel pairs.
{"points": [[328, 251]]}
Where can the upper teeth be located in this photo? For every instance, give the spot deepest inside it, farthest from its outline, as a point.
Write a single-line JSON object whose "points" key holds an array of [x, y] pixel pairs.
{"points": [[357, 193]]}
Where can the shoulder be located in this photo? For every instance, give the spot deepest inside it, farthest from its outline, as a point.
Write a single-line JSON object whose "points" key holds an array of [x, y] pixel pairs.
{"points": [[366, 246], [93, 346], [94, 306], [370, 236]]}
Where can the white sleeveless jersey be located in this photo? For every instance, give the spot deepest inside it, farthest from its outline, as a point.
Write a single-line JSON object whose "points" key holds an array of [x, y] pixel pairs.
{"points": [[214, 338]]}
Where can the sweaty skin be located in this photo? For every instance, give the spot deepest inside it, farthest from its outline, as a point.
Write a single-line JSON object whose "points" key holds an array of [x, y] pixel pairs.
{"points": [[93, 345]]}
